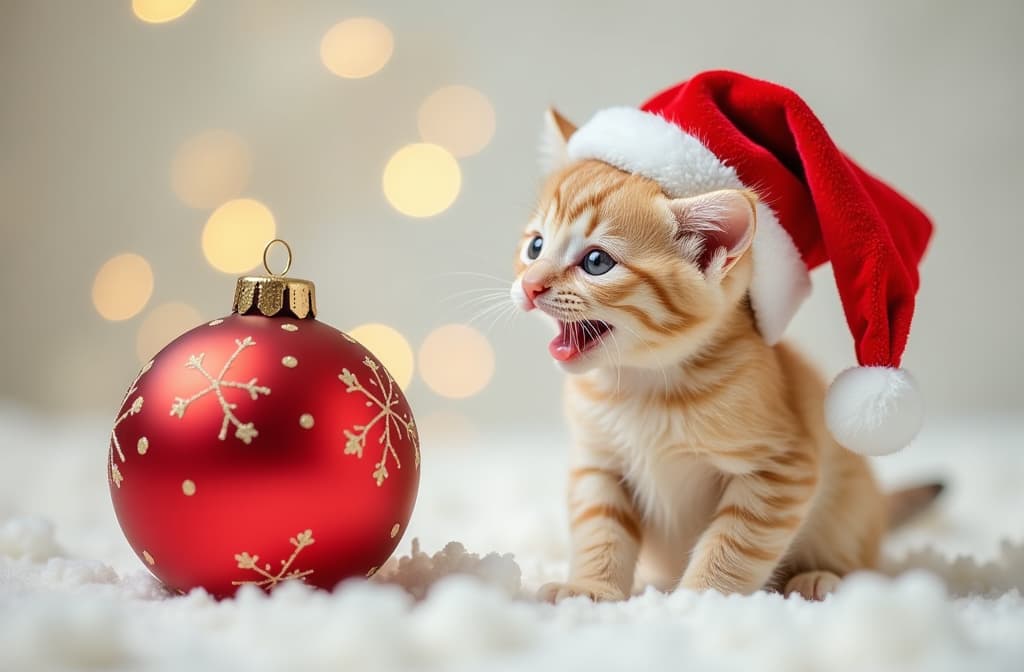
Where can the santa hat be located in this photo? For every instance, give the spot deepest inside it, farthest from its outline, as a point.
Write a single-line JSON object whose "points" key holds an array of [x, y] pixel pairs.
{"points": [[726, 130]]}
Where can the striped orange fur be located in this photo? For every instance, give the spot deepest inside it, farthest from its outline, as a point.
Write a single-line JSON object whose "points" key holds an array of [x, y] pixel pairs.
{"points": [[619, 516], [700, 453]]}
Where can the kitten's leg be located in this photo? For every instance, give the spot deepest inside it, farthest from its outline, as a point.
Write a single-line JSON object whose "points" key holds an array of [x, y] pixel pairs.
{"points": [[605, 538], [812, 585], [756, 521]]}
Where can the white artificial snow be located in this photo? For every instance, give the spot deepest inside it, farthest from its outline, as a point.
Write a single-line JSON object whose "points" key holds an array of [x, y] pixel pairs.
{"points": [[489, 528]]}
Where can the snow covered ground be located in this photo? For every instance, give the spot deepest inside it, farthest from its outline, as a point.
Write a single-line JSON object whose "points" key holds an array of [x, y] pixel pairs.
{"points": [[73, 596]]}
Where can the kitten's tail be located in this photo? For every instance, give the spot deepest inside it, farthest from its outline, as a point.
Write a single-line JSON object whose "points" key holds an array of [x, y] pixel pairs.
{"points": [[907, 503]]}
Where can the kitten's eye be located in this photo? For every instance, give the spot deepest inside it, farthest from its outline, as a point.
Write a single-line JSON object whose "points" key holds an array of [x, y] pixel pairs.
{"points": [[597, 262], [534, 247]]}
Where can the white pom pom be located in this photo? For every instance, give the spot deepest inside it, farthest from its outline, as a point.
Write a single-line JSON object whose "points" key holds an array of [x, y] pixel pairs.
{"points": [[874, 410]]}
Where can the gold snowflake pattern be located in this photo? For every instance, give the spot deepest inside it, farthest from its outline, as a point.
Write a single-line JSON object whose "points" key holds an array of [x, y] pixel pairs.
{"points": [[244, 431], [268, 580], [134, 409], [385, 400]]}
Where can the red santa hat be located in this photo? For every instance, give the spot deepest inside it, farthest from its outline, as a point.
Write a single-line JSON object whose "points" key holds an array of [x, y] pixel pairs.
{"points": [[726, 130]]}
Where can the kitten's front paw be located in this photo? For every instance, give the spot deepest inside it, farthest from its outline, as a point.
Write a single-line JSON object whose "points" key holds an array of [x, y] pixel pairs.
{"points": [[815, 586], [595, 590]]}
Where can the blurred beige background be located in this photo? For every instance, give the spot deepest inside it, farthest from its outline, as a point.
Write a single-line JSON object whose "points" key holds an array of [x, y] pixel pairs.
{"points": [[96, 104]]}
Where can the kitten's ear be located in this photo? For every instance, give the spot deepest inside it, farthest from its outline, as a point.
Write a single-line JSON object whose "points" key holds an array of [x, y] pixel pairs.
{"points": [[716, 229], [555, 140]]}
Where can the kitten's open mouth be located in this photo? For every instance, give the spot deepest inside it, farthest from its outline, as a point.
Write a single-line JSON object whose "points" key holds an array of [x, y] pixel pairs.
{"points": [[575, 338]]}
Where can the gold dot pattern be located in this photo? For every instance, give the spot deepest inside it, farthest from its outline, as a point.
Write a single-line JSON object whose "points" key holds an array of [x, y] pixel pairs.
{"points": [[373, 570], [142, 446], [188, 487], [306, 421], [149, 558], [394, 530], [289, 327], [215, 323], [289, 361]]}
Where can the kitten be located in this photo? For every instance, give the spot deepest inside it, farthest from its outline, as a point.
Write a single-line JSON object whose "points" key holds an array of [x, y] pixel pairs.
{"points": [[696, 445]]}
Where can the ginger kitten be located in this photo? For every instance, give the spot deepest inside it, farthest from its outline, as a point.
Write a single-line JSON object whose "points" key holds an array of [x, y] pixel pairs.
{"points": [[697, 447]]}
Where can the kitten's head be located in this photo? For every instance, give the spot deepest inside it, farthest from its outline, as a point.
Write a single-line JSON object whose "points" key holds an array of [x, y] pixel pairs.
{"points": [[629, 276]]}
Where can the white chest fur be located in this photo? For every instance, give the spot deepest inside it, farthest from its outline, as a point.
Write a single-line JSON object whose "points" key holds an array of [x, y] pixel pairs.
{"points": [[674, 489]]}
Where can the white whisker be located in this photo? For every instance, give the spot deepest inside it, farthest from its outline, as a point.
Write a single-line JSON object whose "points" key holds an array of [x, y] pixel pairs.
{"points": [[476, 301], [618, 367], [474, 274], [494, 311], [477, 290], [506, 315], [661, 368]]}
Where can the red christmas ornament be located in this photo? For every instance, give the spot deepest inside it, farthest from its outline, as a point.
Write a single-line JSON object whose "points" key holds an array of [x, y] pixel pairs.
{"points": [[262, 447]]}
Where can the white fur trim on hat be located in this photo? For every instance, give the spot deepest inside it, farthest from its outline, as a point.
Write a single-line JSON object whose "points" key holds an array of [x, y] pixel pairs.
{"points": [[874, 410], [645, 144]]}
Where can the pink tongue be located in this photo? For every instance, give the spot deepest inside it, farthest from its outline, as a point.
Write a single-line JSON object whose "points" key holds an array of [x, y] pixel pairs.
{"points": [[564, 347], [561, 350]]}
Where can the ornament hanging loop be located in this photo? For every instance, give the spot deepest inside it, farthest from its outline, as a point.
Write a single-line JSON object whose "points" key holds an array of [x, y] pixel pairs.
{"points": [[287, 264], [274, 295]]}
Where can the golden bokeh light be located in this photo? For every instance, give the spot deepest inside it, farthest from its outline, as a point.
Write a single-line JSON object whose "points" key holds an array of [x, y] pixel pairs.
{"points": [[160, 11], [456, 361], [210, 168], [162, 325], [122, 287], [357, 48], [459, 118], [421, 180], [236, 234], [390, 347]]}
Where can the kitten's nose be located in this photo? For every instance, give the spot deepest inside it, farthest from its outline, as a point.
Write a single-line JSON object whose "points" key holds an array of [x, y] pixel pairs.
{"points": [[537, 280], [534, 287]]}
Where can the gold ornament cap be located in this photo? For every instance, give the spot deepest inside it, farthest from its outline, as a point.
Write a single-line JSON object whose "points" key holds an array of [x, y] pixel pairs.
{"points": [[274, 295]]}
